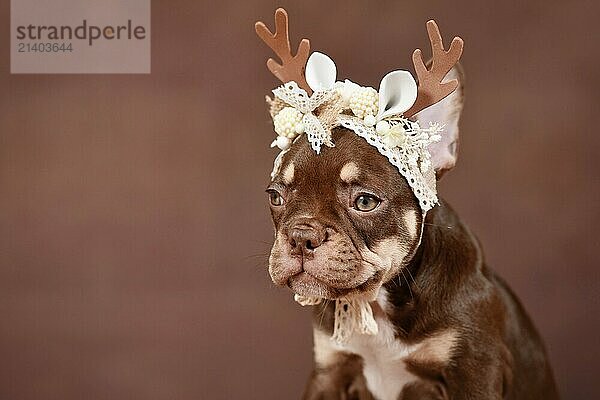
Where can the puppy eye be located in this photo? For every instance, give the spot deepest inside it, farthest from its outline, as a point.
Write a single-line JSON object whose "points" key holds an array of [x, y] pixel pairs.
{"points": [[275, 198], [366, 202]]}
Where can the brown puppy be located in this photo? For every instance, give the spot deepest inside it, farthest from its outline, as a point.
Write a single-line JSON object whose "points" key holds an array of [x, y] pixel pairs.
{"points": [[348, 224]]}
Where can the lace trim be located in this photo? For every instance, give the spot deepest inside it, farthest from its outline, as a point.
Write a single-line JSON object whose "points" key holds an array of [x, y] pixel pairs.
{"points": [[351, 316], [296, 97], [411, 160], [316, 133]]}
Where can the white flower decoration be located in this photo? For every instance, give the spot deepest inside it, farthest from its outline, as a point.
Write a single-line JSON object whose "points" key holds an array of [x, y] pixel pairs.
{"points": [[394, 136]]}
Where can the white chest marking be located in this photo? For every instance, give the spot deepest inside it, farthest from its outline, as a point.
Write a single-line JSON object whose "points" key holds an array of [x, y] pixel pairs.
{"points": [[384, 355]]}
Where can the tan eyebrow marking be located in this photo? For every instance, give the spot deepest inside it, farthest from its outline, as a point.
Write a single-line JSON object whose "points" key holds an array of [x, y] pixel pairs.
{"points": [[349, 172], [288, 174]]}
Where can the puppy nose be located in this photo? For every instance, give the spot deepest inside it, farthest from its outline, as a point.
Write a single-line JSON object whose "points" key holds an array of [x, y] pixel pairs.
{"points": [[306, 238]]}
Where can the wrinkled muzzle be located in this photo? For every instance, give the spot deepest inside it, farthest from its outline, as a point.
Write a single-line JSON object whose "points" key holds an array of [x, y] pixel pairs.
{"points": [[314, 260]]}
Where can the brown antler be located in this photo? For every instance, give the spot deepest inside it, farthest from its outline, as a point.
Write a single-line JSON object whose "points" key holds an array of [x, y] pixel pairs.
{"points": [[291, 67], [431, 89]]}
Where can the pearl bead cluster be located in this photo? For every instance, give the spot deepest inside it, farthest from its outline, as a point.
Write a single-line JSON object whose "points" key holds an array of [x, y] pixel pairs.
{"points": [[288, 125], [363, 102], [288, 122]]}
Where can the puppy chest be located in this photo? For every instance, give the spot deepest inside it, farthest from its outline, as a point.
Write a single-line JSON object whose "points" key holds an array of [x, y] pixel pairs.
{"points": [[384, 356], [384, 366]]}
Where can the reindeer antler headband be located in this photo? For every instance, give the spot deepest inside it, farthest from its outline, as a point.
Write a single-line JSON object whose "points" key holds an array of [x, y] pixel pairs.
{"points": [[311, 101]]}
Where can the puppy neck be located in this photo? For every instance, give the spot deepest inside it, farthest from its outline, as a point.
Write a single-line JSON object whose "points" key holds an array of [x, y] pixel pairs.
{"points": [[446, 257]]}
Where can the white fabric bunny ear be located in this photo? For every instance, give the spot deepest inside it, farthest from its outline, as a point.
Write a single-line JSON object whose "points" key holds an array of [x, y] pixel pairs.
{"points": [[397, 93], [320, 72]]}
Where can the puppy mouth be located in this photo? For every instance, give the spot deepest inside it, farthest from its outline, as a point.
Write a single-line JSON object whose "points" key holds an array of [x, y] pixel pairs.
{"points": [[308, 285]]}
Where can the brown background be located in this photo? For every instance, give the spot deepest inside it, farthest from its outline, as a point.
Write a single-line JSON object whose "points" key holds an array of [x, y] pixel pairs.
{"points": [[133, 223]]}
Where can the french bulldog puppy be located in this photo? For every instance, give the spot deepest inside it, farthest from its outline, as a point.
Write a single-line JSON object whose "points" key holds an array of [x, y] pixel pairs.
{"points": [[348, 224]]}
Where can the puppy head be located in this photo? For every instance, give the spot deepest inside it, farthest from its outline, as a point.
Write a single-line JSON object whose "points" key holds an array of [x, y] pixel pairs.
{"points": [[346, 221]]}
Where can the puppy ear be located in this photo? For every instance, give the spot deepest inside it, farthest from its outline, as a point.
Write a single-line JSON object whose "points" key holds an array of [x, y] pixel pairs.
{"points": [[447, 113]]}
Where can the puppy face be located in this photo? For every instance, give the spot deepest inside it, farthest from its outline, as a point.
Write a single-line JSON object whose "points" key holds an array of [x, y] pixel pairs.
{"points": [[345, 220]]}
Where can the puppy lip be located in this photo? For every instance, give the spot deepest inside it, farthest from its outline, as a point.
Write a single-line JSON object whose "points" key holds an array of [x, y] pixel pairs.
{"points": [[306, 284]]}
